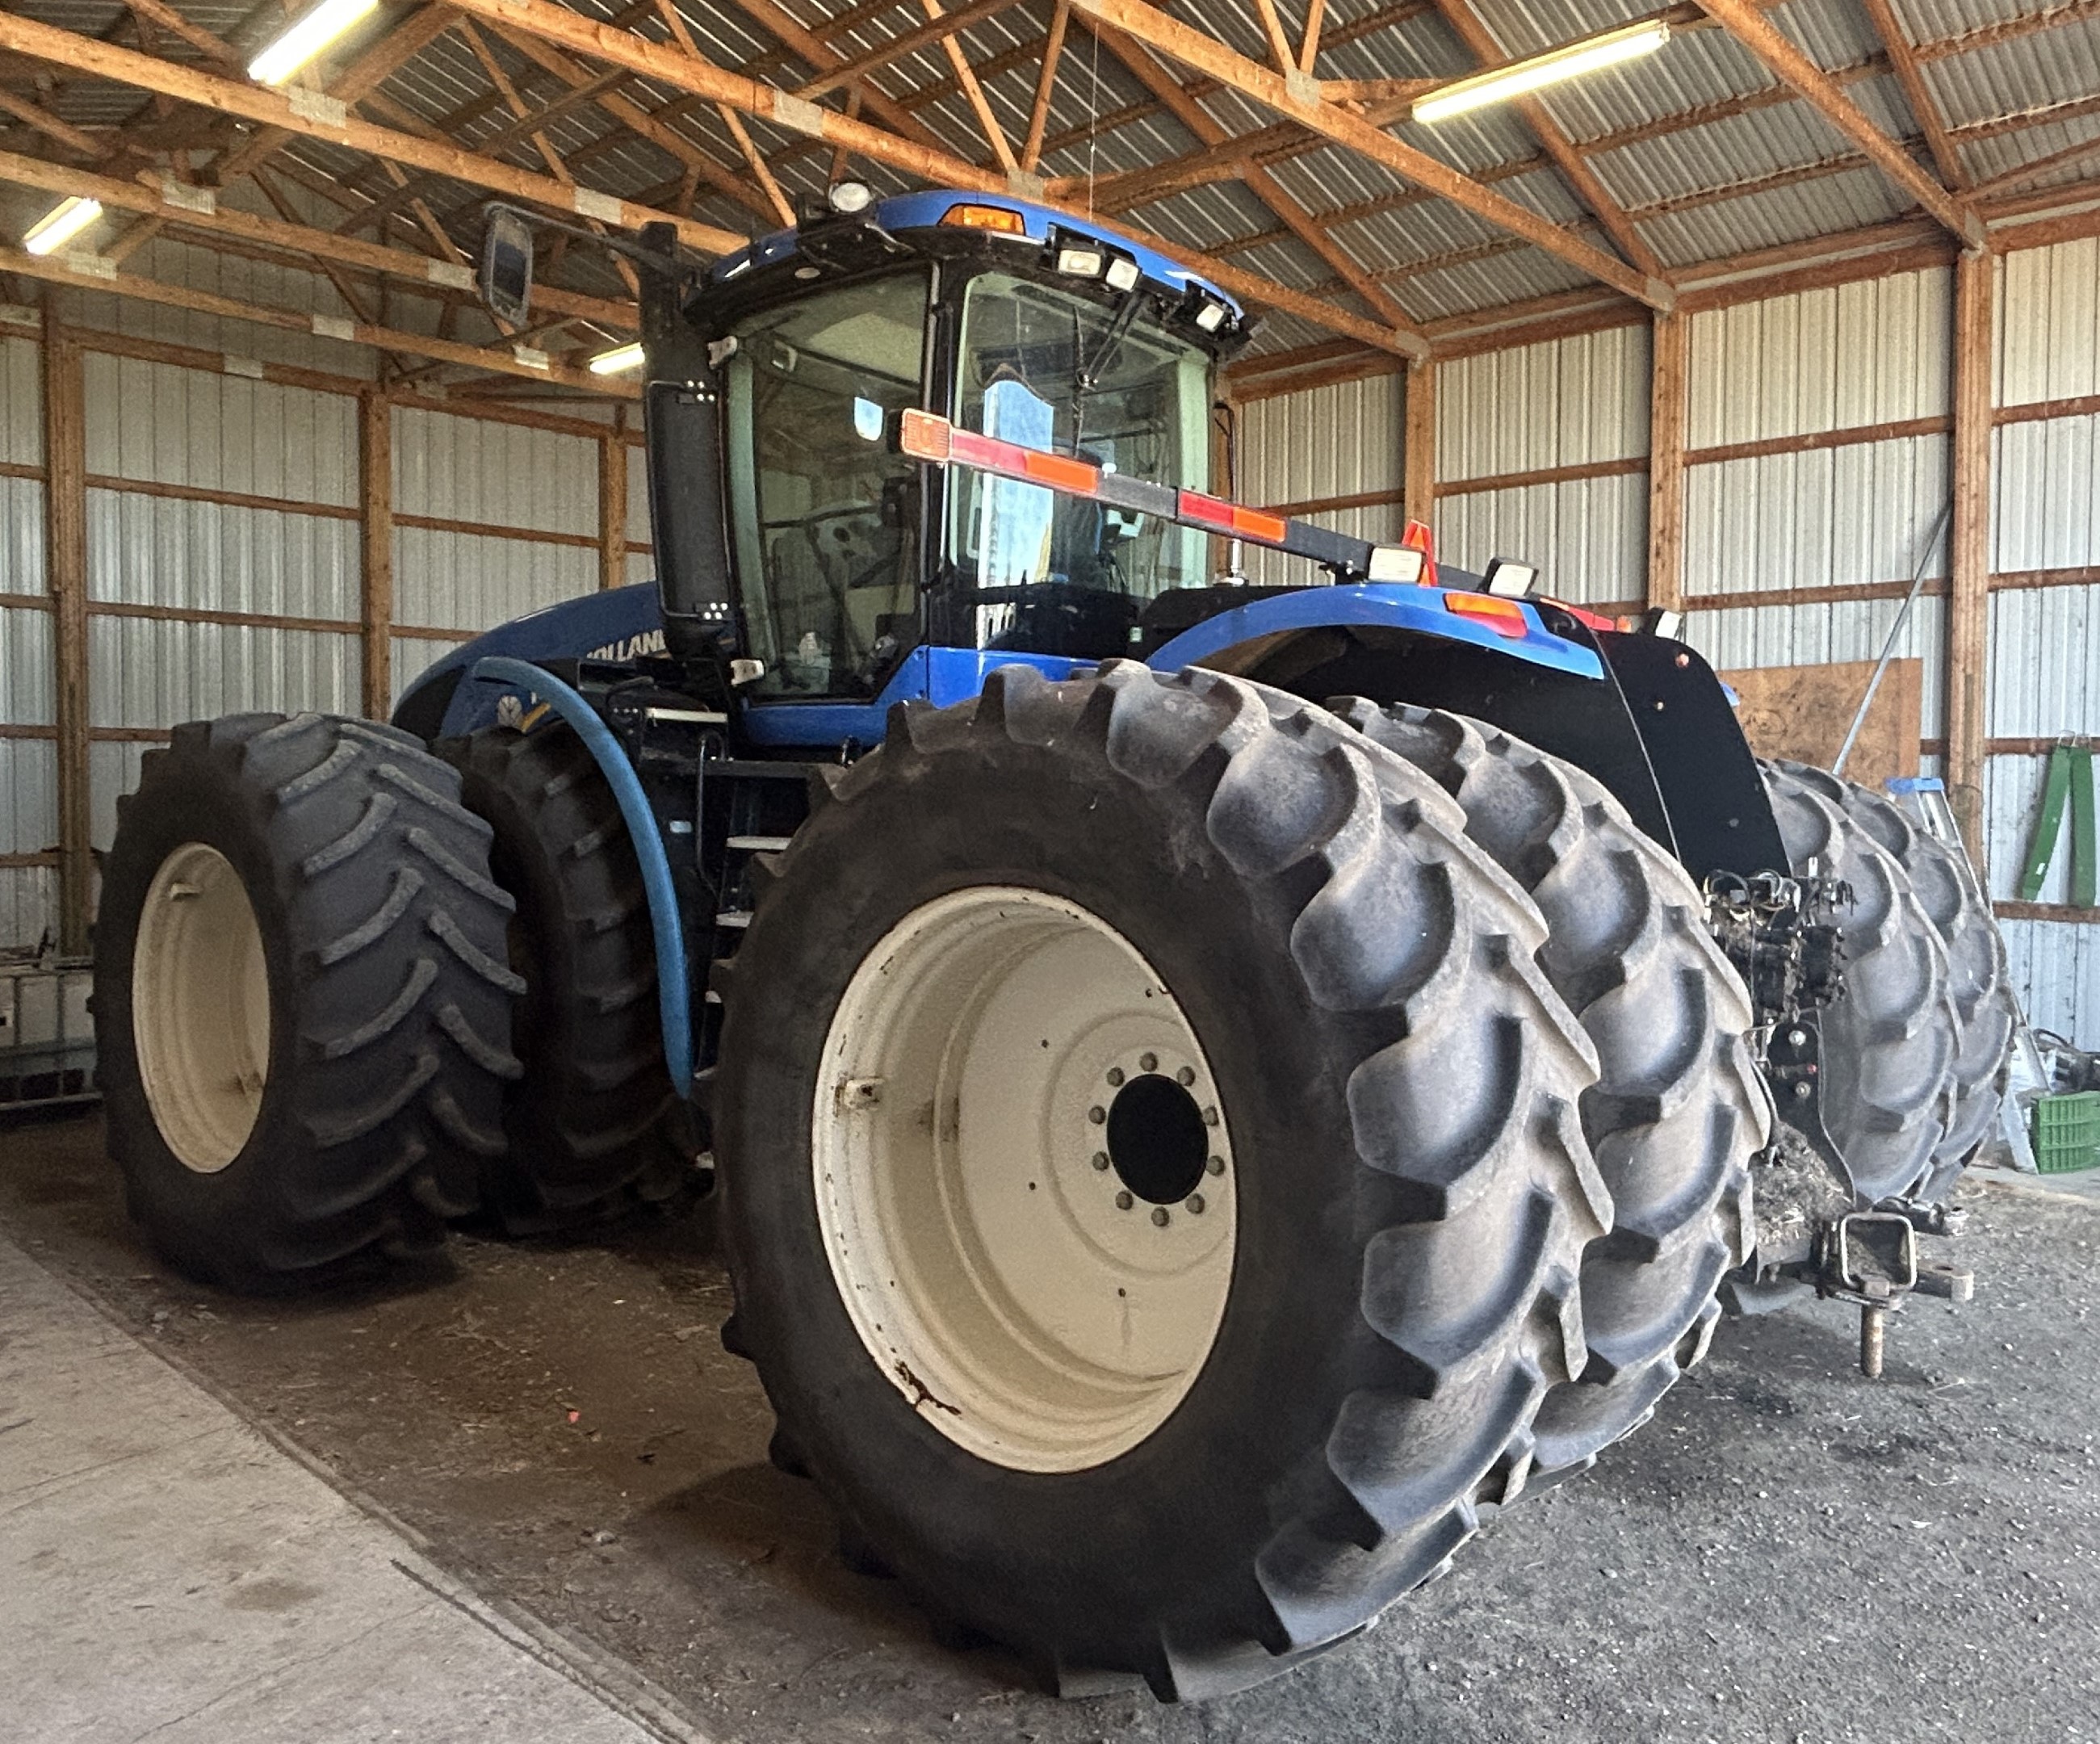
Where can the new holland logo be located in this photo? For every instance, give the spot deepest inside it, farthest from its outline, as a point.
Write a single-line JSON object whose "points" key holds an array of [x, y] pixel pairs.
{"points": [[649, 642]]}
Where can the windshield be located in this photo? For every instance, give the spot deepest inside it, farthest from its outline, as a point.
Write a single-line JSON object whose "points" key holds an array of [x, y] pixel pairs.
{"points": [[1028, 569], [825, 515]]}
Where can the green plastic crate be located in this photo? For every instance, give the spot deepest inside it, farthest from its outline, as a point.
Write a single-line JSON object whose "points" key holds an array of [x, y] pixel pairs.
{"points": [[2066, 1132]]}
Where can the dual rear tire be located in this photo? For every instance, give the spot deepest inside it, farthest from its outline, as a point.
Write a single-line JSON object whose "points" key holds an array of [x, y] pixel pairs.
{"points": [[310, 978]]}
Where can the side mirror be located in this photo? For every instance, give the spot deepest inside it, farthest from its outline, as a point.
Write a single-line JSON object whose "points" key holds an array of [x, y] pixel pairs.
{"points": [[506, 266]]}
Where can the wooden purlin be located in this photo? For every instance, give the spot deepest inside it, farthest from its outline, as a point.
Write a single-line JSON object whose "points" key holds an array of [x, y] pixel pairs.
{"points": [[1903, 63], [58, 270], [1745, 21], [1206, 54], [668, 66], [318, 118], [1137, 60], [1466, 24]]}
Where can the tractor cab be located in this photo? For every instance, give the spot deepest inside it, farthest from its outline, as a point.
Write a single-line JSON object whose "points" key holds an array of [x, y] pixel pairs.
{"points": [[841, 554]]}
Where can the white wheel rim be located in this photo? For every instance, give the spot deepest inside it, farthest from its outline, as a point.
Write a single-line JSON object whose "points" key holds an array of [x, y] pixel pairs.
{"points": [[1041, 1302], [201, 1007]]}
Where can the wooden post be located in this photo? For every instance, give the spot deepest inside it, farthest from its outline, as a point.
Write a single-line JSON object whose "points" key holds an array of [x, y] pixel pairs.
{"points": [[375, 466], [65, 534], [613, 503], [1418, 454], [1968, 592], [1670, 343]]}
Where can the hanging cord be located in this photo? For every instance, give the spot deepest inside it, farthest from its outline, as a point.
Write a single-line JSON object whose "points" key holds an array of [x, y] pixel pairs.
{"points": [[1093, 121], [1889, 646]]}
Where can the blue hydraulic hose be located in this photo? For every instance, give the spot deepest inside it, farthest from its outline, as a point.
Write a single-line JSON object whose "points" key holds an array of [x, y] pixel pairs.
{"points": [[674, 1005]]}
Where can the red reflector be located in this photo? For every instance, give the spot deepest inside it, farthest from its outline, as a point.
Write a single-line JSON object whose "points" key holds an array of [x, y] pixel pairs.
{"points": [[1249, 523], [923, 436], [1596, 620], [1504, 616]]}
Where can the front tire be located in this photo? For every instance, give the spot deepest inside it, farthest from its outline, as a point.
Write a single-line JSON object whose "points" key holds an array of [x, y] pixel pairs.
{"points": [[1177, 1472], [302, 1013]]}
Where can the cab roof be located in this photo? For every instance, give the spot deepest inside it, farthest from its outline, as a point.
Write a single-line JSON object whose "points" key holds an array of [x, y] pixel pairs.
{"points": [[925, 210]]}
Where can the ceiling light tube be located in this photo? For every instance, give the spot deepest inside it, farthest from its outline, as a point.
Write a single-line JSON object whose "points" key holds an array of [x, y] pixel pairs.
{"points": [[1522, 77], [617, 362], [61, 224], [309, 33]]}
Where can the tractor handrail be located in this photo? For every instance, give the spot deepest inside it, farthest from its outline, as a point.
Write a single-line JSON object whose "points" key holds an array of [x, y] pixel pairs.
{"points": [[674, 997]]}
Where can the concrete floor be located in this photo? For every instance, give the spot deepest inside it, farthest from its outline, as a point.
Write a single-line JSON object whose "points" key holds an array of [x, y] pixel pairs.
{"points": [[1786, 1554]]}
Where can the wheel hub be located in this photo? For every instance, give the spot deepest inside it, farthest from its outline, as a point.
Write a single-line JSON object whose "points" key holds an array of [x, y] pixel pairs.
{"points": [[1023, 1175], [201, 1007]]}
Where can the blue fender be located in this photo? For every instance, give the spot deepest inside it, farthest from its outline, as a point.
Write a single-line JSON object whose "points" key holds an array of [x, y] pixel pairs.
{"points": [[1373, 603], [495, 672], [617, 625]]}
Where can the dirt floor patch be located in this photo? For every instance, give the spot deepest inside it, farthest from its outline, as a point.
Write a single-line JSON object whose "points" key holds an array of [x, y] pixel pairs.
{"points": [[1786, 1552]]}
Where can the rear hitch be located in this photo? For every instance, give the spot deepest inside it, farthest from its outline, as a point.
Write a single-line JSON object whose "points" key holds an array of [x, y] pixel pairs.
{"points": [[1870, 1259]]}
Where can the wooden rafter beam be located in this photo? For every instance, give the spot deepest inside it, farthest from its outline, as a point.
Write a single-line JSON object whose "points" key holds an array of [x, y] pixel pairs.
{"points": [[195, 210], [55, 269], [72, 138], [1466, 24], [667, 65], [1206, 54], [935, 29], [1138, 61], [814, 52], [328, 118], [1744, 21], [973, 93], [646, 125], [1046, 86], [1910, 75]]}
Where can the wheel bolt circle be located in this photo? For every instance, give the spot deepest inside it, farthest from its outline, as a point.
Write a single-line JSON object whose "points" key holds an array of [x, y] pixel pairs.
{"points": [[1159, 1216], [1124, 1201]]}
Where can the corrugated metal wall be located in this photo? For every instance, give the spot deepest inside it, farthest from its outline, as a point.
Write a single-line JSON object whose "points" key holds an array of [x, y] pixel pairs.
{"points": [[1574, 404], [1339, 441], [1818, 462], [2044, 677], [508, 523], [224, 547]]}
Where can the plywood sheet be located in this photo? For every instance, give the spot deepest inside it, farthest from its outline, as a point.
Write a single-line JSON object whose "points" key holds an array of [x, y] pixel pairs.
{"points": [[1804, 713]]}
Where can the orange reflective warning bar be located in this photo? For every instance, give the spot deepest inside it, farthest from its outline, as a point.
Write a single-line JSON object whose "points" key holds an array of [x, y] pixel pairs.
{"points": [[1231, 518]]}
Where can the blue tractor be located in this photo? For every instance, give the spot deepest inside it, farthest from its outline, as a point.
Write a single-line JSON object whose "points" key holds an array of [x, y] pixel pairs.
{"points": [[1212, 1089]]}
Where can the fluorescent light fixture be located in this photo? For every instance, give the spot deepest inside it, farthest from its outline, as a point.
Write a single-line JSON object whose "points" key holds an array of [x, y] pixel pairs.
{"points": [[1522, 76], [61, 224], [308, 35], [617, 362]]}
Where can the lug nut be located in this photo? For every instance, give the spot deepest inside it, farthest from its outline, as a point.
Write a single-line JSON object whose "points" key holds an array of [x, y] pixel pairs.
{"points": [[1209, 1117], [1193, 1204], [1159, 1217], [1185, 1077], [1101, 1160], [1115, 1076], [1148, 1062], [1801, 1092], [1097, 1114], [1215, 1166], [1123, 1201], [1796, 1038]]}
